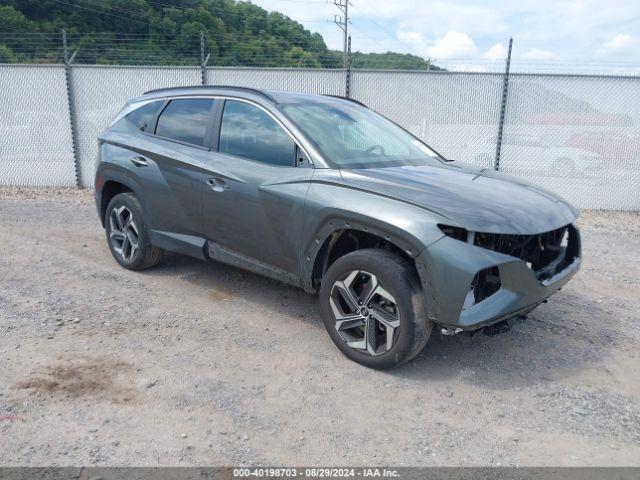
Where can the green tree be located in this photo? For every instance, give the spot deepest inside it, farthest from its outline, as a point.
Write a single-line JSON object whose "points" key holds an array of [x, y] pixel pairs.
{"points": [[12, 20], [168, 32], [297, 57], [6, 55]]}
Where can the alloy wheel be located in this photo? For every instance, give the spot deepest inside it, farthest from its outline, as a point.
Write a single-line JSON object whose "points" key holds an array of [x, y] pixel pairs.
{"points": [[123, 232], [366, 315]]}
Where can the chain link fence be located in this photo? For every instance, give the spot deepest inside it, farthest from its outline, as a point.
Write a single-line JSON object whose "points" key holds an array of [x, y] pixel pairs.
{"points": [[452, 112], [326, 82], [100, 92], [576, 135], [35, 132]]}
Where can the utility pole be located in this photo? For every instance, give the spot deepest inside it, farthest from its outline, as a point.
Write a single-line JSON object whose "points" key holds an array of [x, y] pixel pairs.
{"points": [[343, 22]]}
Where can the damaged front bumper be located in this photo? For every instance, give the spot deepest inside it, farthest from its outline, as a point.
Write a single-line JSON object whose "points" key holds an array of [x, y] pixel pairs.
{"points": [[450, 268]]}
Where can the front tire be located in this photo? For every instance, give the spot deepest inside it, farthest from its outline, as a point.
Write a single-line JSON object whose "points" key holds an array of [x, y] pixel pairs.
{"points": [[128, 234], [373, 308]]}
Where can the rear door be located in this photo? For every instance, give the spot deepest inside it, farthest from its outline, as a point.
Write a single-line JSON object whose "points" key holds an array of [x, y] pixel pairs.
{"points": [[256, 187], [171, 166]]}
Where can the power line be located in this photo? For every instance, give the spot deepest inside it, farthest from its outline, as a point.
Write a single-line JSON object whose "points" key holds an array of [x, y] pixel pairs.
{"points": [[393, 37], [170, 6], [122, 10], [367, 35], [100, 12], [304, 1], [142, 36]]}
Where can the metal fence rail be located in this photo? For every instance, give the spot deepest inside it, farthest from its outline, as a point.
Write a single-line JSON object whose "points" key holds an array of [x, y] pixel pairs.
{"points": [[576, 135]]}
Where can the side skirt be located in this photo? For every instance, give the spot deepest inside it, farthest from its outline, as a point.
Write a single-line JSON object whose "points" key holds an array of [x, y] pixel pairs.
{"points": [[221, 254], [179, 243]]}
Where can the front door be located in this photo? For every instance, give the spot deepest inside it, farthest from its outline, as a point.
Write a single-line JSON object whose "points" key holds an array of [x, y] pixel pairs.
{"points": [[254, 199]]}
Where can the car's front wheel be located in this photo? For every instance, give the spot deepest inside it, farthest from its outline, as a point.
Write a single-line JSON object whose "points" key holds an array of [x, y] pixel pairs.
{"points": [[128, 235], [373, 308]]}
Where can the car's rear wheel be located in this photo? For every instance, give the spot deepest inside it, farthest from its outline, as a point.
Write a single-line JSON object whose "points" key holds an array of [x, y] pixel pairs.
{"points": [[128, 235], [373, 308]]}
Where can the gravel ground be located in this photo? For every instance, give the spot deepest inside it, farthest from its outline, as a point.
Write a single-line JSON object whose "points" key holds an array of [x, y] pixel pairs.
{"points": [[202, 364]]}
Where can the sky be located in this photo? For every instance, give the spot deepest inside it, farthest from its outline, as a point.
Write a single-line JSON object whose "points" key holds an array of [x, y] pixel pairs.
{"points": [[566, 35]]}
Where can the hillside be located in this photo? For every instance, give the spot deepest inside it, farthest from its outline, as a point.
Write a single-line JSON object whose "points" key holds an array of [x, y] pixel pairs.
{"points": [[168, 32]]}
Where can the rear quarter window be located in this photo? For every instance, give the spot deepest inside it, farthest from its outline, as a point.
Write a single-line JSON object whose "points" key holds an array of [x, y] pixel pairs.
{"points": [[144, 117]]}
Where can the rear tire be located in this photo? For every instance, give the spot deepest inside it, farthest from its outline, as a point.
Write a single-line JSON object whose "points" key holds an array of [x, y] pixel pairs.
{"points": [[128, 234], [385, 328]]}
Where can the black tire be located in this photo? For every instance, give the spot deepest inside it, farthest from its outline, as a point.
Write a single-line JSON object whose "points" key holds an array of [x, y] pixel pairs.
{"points": [[146, 255], [400, 279]]}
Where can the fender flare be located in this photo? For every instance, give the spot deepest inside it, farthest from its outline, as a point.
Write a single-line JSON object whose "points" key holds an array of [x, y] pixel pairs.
{"points": [[314, 244], [122, 176]]}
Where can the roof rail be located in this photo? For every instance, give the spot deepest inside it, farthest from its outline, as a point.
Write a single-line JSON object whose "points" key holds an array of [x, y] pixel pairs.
{"points": [[347, 99], [205, 87], [168, 89]]}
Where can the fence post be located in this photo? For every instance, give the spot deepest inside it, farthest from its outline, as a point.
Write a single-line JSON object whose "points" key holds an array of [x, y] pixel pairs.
{"points": [[203, 60], [503, 106], [72, 109], [347, 89]]}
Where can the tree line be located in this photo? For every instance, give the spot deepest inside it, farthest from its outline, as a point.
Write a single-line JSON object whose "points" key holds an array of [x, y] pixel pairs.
{"points": [[168, 32]]}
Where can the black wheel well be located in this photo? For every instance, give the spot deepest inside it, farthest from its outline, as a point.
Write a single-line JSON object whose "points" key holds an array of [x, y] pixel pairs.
{"points": [[344, 241], [110, 189]]}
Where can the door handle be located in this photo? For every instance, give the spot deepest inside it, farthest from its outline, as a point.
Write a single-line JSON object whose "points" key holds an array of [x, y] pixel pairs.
{"points": [[217, 184], [139, 161]]}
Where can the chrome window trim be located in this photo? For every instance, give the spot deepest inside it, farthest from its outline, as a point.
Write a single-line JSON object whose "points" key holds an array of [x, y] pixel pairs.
{"points": [[296, 140]]}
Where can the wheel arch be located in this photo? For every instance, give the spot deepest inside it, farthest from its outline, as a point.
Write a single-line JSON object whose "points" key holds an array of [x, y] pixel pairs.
{"points": [[338, 236], [113, 183]]}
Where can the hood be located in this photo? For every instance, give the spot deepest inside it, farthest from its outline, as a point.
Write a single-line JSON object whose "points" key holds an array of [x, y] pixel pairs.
{"points": [[480, 200]]}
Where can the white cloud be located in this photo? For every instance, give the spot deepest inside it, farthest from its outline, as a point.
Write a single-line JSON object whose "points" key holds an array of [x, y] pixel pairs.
{"points": [[622, 41], [435, 16], [538, 54], [570, 31], [415, 41], [620, 46], [464, 67], [496, 52], [452, 44]]}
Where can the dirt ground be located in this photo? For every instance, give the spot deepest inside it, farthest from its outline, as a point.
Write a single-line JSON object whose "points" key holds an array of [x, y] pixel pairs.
{"points": [[196, 363]]}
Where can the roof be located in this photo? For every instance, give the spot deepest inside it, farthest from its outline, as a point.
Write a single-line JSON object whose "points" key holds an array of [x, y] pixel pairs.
{"points": [[274, 96], [210, 89]]}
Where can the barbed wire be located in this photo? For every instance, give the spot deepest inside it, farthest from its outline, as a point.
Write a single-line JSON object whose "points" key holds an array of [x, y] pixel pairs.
{"points": [[229, 50]]}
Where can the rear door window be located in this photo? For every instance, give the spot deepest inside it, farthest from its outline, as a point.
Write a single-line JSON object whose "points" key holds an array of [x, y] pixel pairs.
{"points": [[186, 120], [144, 117]]}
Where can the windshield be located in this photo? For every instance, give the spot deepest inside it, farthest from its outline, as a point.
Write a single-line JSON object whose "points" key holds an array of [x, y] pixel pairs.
{"points": [[352, 136]]}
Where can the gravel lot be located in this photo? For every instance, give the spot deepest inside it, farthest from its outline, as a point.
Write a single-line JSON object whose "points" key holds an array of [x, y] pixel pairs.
{"points": [[202, 364]]}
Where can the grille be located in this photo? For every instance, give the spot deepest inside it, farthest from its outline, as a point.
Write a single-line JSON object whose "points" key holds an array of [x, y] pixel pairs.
{"points": [[546, 253]]}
